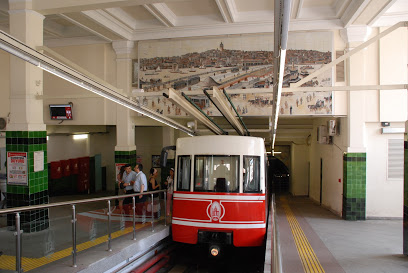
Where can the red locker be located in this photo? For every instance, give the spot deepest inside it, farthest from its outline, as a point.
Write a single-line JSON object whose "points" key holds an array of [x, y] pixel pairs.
{"points": [[74, 168], [56, 170], [66, 168], [83, 174]]}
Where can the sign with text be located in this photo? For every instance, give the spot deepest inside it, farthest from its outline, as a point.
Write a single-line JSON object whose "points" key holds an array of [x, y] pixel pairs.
{"points": [[17, 173]]}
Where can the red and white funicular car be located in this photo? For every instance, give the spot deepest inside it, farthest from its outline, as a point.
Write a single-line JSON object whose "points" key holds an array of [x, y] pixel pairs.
{"points": [[219, 195]]}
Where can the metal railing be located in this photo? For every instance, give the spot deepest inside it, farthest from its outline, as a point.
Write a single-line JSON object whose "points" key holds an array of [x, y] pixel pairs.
{"points": [[73, 203]]}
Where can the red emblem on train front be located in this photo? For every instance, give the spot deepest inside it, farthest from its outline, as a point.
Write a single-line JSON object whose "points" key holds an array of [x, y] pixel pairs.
{"points": [[215, 211]]}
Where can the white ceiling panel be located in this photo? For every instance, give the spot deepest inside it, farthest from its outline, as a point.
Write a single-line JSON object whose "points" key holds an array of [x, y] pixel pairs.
{"points": [[193, 8], [253, 5]]}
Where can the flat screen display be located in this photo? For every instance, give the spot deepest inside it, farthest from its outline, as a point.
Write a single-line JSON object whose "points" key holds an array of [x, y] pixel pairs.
{"points": [[61, 111]]}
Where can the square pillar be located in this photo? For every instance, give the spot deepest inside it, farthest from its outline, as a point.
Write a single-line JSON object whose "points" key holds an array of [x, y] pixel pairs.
{"points": [[354, 186], [36, 190]]}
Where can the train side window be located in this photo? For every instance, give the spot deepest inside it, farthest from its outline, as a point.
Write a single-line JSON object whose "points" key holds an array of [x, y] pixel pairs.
{"points": [[217, 173], [183, 173], [252, 174]]}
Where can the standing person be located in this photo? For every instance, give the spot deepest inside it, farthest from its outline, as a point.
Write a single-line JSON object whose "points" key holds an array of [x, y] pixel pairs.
{"points": [[121, 187], [169, 184], [154, 186], [128, 178], [140, 185]]}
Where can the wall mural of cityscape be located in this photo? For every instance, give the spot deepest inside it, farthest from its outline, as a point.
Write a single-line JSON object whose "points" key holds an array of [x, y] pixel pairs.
{"points": [[235, 62]]}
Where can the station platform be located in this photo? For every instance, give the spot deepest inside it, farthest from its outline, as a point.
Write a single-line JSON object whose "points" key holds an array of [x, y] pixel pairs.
{"points": [[313, 239]]}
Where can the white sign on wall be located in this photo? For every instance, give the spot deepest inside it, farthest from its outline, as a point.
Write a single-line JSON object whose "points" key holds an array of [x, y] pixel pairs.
{"points": [[17, 168], [38, 161]]}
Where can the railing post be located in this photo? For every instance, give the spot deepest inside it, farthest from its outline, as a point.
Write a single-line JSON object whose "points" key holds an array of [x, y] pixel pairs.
{"points": [[152, 213], [134, 217], [18, 244], [109, 226], [74, 249], [165, 208]]}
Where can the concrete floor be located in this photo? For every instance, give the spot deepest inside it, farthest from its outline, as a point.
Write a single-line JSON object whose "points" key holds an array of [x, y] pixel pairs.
{"points": [[342, 246]]}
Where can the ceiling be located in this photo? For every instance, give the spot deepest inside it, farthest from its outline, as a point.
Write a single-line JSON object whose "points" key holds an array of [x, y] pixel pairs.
{"points": [[70, 22]]}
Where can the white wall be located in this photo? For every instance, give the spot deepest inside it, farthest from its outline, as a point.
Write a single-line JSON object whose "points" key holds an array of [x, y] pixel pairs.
{"points": [[88, 108], [5, 83], [299, 173], [332, 155], [65, 147], [384, 196], [393, 70], [149, 141], [104, 144]]}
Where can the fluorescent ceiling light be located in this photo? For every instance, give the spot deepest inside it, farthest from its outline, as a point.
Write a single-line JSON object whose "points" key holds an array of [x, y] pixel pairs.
{"points": [[83, 136]]}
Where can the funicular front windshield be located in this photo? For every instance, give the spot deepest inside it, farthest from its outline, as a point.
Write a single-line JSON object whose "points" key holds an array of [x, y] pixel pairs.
{"points": [[214, 173]]}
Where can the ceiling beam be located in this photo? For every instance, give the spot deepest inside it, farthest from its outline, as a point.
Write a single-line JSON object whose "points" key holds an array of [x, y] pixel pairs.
{"points": [[232, 10], [46, 7], [297, 6], [353, 10], [121, 15], [381, 12], [340, 6], [75, 22], [222, 6], [162, 13], [235, 28], [108, 21]]}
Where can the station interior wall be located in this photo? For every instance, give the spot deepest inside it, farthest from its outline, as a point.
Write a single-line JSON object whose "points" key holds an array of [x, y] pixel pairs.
{"points": [[383, 62]]}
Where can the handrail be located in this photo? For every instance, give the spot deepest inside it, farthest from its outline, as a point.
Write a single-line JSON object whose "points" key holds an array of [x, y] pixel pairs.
{"points": [[74, 202]]}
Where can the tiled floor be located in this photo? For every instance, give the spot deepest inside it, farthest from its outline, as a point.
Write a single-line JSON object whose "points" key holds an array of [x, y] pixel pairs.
{"points": [[341, 246]]}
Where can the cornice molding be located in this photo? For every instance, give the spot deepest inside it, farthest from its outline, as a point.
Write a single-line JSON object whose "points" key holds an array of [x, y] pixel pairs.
{"points": [[123, 47], [355, 34], [233, 28]]}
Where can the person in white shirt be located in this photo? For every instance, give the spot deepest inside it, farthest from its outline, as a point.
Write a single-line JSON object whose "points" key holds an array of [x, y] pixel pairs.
{"points": [[128, 179], [140, 186]]}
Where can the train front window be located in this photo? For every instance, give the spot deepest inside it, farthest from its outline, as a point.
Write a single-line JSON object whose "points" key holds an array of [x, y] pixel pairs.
{"points": [[252, 174], [183, 173], [215, 173]]}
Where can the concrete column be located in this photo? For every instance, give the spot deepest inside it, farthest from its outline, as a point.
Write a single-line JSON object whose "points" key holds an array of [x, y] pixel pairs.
{"points": [[125, 149], [354, 160], [26, 80], [26, 132]]}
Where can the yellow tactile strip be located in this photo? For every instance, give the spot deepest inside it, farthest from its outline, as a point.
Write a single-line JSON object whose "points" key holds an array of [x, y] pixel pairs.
{"points": [[9, 262], [308, 257]]}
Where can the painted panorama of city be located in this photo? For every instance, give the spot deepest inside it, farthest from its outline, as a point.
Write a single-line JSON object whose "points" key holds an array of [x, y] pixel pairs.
{"points": [[235, 62]]}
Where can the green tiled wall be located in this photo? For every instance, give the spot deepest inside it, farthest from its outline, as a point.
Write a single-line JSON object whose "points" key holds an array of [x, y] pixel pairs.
{"points": [[354, 186], [405, 224], [37, 190], [126, 157]]}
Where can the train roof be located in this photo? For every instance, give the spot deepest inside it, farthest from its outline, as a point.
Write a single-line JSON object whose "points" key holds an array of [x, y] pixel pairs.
{"points": [[221, 145]]}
